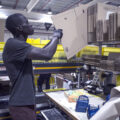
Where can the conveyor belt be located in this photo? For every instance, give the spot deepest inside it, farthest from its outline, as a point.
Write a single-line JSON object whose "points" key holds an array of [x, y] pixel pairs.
{"points": [[48, 68], [55, 67]]}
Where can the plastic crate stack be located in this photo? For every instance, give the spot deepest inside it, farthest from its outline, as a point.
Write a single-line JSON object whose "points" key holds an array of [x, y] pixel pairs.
{"points": [[83, 105]]}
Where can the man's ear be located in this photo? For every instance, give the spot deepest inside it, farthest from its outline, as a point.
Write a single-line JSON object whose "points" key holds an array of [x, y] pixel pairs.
{"points": [[19, 28]]}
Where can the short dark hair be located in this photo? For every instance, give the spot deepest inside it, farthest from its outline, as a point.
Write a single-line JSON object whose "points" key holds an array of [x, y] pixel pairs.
{"points": [[13, 21]]}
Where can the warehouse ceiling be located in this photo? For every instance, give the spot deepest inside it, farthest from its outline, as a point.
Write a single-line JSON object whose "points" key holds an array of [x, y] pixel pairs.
{"points": [[37, 10], [41, 6], [45, 6]]}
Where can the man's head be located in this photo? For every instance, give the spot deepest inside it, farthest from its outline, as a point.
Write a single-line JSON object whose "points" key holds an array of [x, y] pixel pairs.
{"points": [[18, 24]]}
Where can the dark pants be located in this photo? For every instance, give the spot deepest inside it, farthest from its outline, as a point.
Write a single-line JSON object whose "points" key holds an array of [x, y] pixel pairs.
{"points": [[23, 112], [41, 79]]}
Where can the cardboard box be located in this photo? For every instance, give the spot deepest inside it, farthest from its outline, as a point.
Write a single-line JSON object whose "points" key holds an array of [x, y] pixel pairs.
{"points": [[99, 30], [101, 12], [74, 25]]}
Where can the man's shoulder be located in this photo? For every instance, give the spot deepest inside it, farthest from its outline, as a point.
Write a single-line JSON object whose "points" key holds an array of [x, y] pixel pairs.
{"points": [[15, 42], [10, 41]]}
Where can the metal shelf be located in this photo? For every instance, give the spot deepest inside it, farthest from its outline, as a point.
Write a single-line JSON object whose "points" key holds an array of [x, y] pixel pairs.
{"points": [[106, 70], [105, 43]]}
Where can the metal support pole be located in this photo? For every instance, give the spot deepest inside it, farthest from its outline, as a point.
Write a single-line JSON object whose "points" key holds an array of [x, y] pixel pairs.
{"points": [[78, 77], [100, 48]]}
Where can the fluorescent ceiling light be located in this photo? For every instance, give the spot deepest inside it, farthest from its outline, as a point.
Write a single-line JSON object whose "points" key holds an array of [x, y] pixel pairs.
{"points": [[44, 19], [1, 6], [3, 16], [49, 13]]}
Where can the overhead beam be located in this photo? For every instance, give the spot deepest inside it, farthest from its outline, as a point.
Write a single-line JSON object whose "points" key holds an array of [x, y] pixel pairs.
{"points": [[31, 15], [96, 1], [31, 5], [67, 8], [45, 5], [16, 3]]}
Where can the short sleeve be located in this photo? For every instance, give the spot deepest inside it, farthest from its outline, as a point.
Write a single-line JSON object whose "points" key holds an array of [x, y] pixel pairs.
{"points": [[18, 50]]}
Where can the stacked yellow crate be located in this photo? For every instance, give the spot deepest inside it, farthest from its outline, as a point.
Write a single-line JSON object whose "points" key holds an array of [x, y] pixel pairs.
{"points": [[107, 50], [88, 50], [2, 46]]}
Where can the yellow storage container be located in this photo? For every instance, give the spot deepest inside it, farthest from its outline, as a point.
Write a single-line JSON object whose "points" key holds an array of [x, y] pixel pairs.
{"points": [[44, 42], [107, 50], [30, 41], [118, 80], [36, 41]]}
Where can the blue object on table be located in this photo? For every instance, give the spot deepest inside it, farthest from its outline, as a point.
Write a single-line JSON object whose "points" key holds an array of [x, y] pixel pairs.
{"points": [[107, 97], [91, 111], [82, 104]]}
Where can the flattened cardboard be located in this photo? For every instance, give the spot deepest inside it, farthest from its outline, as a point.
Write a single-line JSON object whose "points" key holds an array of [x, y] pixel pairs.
{"points": [[73, 25]]}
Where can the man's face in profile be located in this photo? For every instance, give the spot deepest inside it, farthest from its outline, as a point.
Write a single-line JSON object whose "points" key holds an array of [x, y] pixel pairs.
{"points": [[26, 28]]}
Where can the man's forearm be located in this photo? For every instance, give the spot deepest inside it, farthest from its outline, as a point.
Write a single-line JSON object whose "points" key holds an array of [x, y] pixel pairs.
{"points": [[51, 47], [45, 53]]}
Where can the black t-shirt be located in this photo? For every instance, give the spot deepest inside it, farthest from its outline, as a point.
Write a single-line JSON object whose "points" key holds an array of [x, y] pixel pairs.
{"points": [[20, 72]]}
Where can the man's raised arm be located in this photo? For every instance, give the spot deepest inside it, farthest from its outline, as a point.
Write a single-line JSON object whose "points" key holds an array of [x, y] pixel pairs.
{"points": [[48, 51]]}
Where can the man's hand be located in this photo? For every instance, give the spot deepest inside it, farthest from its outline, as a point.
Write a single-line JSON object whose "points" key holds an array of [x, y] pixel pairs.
{"points": [[58, 33]]}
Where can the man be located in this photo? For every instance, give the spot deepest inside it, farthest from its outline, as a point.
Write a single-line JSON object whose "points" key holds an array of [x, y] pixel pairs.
{"points": [[17, 57], [41, 79]]}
